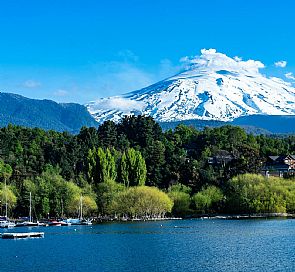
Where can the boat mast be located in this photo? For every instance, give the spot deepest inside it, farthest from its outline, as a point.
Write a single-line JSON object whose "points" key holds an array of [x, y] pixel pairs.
{"points": [[30, 211], [6, 205], [81, 207]]}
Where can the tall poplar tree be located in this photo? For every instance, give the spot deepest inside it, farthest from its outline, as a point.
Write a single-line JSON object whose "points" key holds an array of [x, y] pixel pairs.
{"points": [[133, 168], [101, 165]]}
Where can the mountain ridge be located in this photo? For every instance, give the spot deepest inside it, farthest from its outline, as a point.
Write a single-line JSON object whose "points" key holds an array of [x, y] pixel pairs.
{"points": [[47, 114]]}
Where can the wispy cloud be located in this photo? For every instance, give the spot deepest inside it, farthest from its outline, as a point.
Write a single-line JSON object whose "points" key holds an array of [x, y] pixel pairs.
{"points": [[116, 103], [126, 74], [31, 84], [290, 76], [128, 55], [60, 93], [281, 63], [119, 77], [168, 69]]}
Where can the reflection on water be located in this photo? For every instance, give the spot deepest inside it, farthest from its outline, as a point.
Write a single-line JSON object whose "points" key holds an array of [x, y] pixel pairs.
{"points": [[187, 245]]}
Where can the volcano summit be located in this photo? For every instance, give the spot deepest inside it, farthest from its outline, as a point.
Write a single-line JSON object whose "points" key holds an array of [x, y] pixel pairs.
{"points": [[211, 86]]}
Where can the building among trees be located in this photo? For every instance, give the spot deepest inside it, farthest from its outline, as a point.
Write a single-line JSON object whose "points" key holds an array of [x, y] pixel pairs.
{"points": [[279, 165]]}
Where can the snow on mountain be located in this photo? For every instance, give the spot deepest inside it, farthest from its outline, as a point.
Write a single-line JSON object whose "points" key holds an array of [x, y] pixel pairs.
{"points": [[212, 86]]}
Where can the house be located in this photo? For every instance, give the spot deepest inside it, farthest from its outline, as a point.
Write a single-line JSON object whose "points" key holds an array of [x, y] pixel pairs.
{"points": [[279, 165], [221, 158]]}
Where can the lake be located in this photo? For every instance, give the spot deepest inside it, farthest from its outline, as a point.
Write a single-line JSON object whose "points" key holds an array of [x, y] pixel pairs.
{"points": [[182, 245]]}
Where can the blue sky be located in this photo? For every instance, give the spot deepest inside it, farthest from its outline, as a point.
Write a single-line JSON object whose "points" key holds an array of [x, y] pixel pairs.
{"points": [[77, 51]]}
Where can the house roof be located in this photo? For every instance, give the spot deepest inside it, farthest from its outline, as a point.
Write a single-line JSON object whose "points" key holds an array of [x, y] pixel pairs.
{"points": [[281, 157], [223, 154]]}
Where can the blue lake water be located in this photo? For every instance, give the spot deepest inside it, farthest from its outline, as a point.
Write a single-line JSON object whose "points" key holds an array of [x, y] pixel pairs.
{"points": [[185, 245]]}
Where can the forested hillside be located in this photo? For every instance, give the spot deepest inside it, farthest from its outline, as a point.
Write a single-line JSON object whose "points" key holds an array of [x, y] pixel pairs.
{"points": [[111, 164], [47, 114]]}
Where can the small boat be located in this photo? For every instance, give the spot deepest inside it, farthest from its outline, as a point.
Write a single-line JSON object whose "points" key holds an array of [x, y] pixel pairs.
{"points": [[42, 224], [7, 224], [54, 223], [87, 222], [72, 221], [27, 224], [64, 224], [4, 222]]}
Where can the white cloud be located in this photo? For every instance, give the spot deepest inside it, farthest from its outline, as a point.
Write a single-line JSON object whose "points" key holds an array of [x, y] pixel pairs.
{"points": [[128, 55], [290, 76], [212, 60], [167, 69], [61, 93], [281, 63], [127, 74], [31, 84], [121, 77], [117, 103]]}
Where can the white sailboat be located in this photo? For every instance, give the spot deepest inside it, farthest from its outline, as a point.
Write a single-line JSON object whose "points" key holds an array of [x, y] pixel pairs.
{"points": [[6, 223], [83, 221], [29, 223], [79, 220]]}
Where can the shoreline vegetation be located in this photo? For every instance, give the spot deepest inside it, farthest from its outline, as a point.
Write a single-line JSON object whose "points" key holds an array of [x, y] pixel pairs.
{"points": [[134, 170], [107, 219], [202, 217]]}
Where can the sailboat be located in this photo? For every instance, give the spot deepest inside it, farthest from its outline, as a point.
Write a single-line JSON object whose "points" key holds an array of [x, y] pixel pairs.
{"points": [[5, 223], [83, 221], [29, 223], [79, 220]]}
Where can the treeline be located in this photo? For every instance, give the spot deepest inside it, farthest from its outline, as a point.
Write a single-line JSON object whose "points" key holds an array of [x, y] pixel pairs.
{"points": [[115, 162]]}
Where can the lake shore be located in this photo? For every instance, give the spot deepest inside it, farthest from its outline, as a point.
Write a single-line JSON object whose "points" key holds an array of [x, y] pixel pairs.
{"points": [[244, 216], [201, 216]]}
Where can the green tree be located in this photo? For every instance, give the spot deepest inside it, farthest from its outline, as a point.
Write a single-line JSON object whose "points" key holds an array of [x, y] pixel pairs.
{"points": [[208, 198], [142, 201], [155, 158], [89, 205], [180, 194], [23, 198], [254, 193], [7, 195], [5, 171], [107, 134], [132, 168], [51, 192], [101, 165], [106, 193], [71, 198]]}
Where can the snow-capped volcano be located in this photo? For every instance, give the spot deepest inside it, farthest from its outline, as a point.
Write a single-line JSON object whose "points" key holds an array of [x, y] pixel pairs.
{"points": [[212, 86]]}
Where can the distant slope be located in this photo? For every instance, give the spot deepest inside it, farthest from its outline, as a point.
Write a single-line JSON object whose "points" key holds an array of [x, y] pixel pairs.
{"points": [[256, 124], [279, 124], [198, 124], [201, 124], [46, 114]]}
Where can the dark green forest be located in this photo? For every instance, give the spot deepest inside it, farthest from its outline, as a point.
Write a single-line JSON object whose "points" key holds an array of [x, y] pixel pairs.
{"points": [[123, 168]]}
